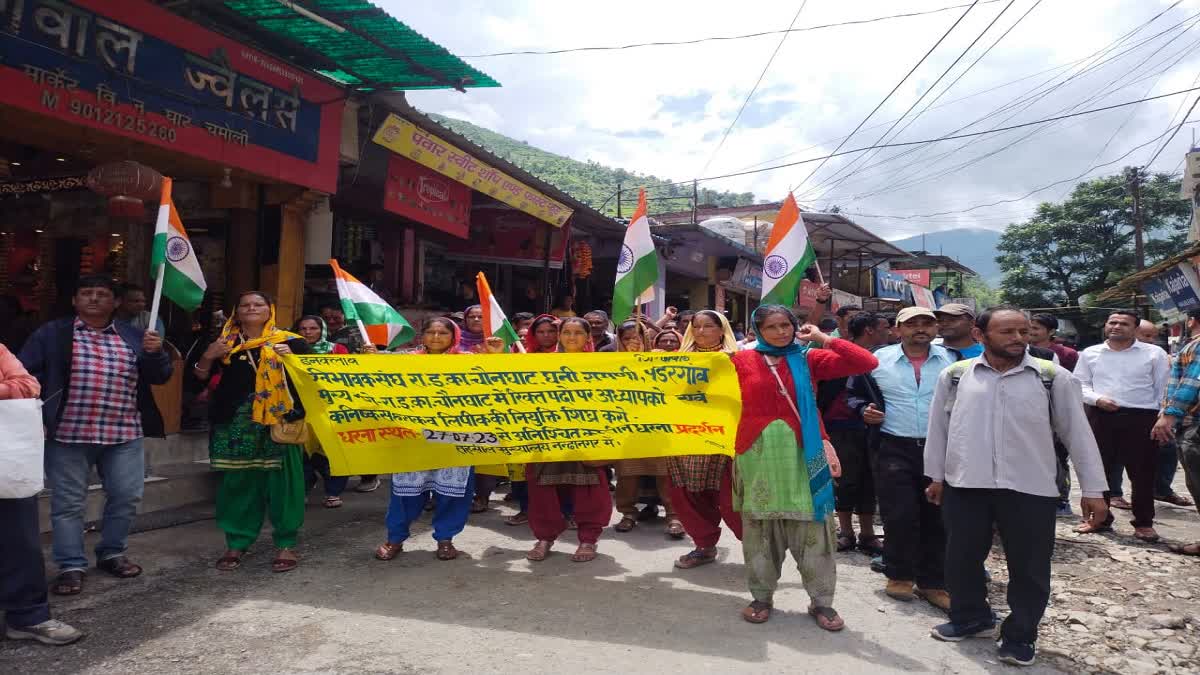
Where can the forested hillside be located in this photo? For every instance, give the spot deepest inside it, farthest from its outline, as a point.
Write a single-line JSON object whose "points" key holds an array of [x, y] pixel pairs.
{"points": [[588, 181]]}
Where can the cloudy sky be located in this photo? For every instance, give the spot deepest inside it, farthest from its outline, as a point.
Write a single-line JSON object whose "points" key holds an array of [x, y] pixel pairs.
{"points": [[663, 110]]}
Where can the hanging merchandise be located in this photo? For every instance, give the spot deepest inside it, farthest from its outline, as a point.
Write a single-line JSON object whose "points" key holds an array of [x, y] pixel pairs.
{"points": [[128, 185], [581, 253]]}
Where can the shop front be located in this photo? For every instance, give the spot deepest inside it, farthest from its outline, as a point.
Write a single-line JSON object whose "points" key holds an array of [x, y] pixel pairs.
{"points": [[426, 210], [124, 93]]}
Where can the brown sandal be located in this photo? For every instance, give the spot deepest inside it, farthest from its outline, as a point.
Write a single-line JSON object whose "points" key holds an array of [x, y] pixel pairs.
{"points": [[627, 523], [446, 550], [539, 551], [517, 519], [69, 582], [230, 561], [1185, 549], [675, 529], [282, 564], [757, 612], [585, 553], [827, 618], [388, 550]]}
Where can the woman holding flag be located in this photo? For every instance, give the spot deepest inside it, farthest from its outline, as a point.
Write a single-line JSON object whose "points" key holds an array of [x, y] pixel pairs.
{"points": [[631, 337], [259, 475], [452, 488], [783, 467], [550, 483]]}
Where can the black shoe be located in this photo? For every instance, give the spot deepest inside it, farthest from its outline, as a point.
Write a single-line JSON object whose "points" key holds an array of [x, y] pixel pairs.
{"points": [[955, 632], [1016, 653]]}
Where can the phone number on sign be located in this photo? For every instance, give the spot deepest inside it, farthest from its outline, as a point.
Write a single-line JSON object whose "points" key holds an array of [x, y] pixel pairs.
{"points": [[117, 119]]}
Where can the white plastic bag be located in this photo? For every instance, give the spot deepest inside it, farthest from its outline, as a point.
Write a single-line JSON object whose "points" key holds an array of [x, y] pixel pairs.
{"points": [[22, 448]]}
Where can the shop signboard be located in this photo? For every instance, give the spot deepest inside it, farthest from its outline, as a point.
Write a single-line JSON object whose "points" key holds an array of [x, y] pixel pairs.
{"points": [[890, 286], [426, 196], [509, 237], [844, 299], [407, 139], [747, 275], [1160, 296], [135, 70], [919, 277], [1180, 282], [922, 296]]}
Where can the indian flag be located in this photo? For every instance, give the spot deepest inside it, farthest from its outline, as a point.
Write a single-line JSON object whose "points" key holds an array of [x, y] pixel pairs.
{"points": [[637, 266], [383, 324], [173, 255], [494, 321], [789, 255]]}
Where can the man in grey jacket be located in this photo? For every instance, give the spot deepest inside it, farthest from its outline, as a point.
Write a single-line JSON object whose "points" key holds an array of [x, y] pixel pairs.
{"points": [[990, 454]]}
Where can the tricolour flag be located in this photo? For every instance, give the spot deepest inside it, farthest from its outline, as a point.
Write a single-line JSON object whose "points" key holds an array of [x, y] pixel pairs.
{"points": [[494, 321], [383, 324], [183, 281], [789, 255], [637, 266]]}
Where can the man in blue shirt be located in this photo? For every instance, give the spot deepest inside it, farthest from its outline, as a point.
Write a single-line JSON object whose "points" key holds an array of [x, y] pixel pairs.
{"points": [[955, 322], [914, 542]]}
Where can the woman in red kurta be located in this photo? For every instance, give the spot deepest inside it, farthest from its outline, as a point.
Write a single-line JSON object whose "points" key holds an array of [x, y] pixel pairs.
{"points": [[784, 467], [549, 483]]}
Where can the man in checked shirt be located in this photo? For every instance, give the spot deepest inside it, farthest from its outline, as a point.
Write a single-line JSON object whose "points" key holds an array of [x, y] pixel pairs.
{"points": [[1180, 417], [95, 375]]}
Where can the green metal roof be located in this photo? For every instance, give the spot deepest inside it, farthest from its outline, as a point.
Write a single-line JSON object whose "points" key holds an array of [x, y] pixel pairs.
{"points": [[374, 52]]}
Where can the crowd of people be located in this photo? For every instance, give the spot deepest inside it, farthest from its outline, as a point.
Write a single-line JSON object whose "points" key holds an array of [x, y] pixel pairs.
{"points": [[946, 425]]}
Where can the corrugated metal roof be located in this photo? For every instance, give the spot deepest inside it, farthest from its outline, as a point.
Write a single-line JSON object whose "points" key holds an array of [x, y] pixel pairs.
{"points": [[372, 50]]}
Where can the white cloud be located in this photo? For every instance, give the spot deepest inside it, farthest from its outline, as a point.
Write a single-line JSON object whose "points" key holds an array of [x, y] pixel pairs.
{"points": [[603, 105]]}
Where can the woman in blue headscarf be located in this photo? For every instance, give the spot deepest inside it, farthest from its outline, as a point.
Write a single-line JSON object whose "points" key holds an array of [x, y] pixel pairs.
{"points": [[784, 468]]}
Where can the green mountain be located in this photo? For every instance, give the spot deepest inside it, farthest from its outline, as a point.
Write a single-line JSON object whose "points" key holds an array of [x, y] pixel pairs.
{"points": [[592, 183]]}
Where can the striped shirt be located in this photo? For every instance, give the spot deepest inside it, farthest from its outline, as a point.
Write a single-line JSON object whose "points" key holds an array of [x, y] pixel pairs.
{"points": [[1183, 385], [101, 405]]}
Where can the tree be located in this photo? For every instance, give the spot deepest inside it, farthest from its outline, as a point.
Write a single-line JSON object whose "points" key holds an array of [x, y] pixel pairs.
{"points": [[985, 296], [1083, 245]]}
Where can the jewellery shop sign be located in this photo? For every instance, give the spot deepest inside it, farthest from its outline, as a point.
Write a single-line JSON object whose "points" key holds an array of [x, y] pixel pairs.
{"points": [[134, 70]]}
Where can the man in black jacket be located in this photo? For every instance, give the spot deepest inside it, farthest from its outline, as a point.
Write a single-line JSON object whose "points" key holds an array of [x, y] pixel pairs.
{"points": [[95, 375]]}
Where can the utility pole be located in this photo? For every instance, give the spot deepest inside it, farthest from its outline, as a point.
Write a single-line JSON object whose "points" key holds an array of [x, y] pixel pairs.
{"points": [[695, 200], [1135, 188], [618, 200]]}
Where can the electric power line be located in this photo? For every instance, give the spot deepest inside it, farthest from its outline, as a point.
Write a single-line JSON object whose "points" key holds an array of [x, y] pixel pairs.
{"points": [[893, 91], [1173, 133], [720, 38], [939, 139], [868, 156], [753, 89]]}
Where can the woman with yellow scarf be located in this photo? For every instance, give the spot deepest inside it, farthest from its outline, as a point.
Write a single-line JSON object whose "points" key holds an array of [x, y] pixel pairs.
{"points": [[252, 393]]}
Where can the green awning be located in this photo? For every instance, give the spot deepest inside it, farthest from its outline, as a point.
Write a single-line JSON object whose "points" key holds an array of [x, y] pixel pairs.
{"points": [[373, 52]]}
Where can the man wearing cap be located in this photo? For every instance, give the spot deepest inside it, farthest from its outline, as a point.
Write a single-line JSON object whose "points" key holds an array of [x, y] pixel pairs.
{"points": [[955, 322], [914, 540]]}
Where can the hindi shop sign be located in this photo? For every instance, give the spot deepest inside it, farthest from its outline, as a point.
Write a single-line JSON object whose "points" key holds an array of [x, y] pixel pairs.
{"points": [[416, 192], [135, 70], [1181, 283], [406, 139], [385, 413], [890, 286]]}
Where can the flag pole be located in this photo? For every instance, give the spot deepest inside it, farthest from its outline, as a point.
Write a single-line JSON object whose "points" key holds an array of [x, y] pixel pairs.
{"points": [[157, 301], [363, 329]]}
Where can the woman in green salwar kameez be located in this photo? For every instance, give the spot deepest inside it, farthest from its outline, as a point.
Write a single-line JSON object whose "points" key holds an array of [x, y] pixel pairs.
{"points": [[784, 469]]}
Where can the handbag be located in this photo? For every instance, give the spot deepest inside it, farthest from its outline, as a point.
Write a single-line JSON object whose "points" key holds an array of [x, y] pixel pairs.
{"points": [[23, 451], [290, 433]]}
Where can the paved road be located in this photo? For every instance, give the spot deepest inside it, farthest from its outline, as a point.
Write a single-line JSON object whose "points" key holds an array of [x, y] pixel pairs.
{"points": [[489, 611]]}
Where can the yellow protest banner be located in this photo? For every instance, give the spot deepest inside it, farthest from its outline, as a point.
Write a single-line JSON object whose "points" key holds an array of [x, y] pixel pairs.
{"points": [[385, 413], [408, 140]]}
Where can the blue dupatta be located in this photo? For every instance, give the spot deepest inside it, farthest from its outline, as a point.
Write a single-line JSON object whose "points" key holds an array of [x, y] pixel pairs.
{"points": [[820, 480]]}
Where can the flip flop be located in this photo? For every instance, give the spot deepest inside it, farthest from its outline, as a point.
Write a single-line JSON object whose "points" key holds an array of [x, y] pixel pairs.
{"points": [[539, 551], [281, 564], [757, 612], [230, 562], [388, 551], [827, 618], [1185, 549], [585, 553]]}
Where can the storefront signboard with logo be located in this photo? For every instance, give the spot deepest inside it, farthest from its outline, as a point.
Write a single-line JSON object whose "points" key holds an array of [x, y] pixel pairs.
{"points": [[135, 70], [419, 193], [919, 277], [1160, 296], [890, 286], [408, 140], [1182, 285]]}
